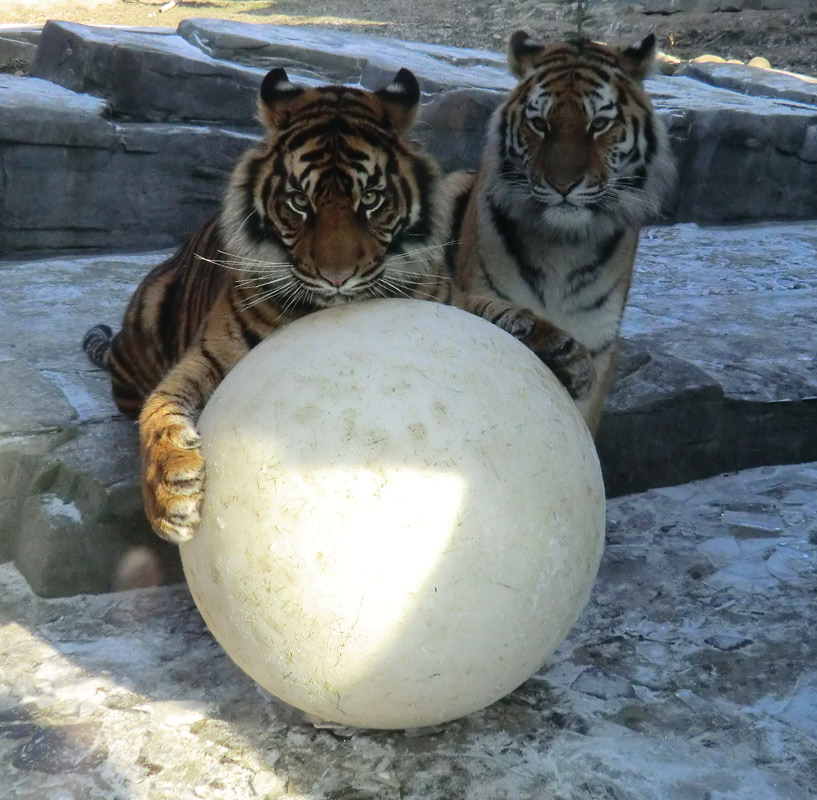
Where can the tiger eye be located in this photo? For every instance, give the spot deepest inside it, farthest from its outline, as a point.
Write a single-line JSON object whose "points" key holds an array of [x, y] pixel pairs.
{"points": [[539, 124], [370, 198], [601, 124], [299, 201]]}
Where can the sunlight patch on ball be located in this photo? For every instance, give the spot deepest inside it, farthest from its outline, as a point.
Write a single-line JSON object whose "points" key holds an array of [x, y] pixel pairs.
{"points": [[404, 514]]}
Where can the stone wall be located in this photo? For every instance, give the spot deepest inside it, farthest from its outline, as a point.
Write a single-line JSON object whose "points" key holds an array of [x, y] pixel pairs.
{"points": [[135, 131]]}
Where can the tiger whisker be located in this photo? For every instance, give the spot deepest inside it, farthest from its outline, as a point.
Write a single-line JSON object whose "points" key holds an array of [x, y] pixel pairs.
{"points": [[410, 281], [403, 290], [514, 179], [221, 263], [300, 291], [256, 268], [271, 294], [394, 288], [412, 261], [619, 195], [260, 281], [237, 266], [425, 279], [415, 251], [241, 259], [377, 290], [245, 220]]}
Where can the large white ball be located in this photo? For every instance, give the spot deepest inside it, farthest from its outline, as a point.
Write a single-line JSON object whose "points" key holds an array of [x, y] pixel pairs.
{"points": [[404, 514]]}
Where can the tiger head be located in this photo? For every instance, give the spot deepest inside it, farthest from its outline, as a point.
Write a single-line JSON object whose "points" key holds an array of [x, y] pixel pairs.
{"points": [[335, 204], [578, 138]]}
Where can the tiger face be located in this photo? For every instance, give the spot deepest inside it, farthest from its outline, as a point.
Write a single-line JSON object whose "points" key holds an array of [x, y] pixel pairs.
{"points": [[331, 207], [578, 134]]}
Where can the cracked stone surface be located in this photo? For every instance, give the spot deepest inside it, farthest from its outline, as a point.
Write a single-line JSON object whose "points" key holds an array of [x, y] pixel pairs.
{"points": [[718, 370], [749, 291], [690, 675]]}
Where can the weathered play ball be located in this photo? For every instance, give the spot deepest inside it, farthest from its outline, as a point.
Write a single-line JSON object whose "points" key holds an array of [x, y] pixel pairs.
{"points": [[404, 514]]}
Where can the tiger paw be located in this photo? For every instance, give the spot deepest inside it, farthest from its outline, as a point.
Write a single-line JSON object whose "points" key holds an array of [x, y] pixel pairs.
{"points": [[569, 360], [173, 481], [572, 364]]}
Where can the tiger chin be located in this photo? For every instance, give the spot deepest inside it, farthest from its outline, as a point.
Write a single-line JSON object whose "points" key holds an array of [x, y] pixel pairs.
{"points": [[336, 205], [575, 162]]}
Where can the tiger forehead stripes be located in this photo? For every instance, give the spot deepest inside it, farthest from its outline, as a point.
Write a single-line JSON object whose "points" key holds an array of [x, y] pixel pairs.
{"points": [[336, 188], [575, 161]]}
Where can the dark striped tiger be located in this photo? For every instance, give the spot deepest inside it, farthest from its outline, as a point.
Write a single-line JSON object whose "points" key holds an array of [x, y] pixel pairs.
{"points": [[336, 205], [575, 161]]}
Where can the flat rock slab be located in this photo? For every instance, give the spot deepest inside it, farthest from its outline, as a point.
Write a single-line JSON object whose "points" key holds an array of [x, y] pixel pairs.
{"points": [[758, 82], [60, 144], [717, 373], [690, 674], [718, 370], [348, 57], [147, 76], [740, 157], [740, 303]]}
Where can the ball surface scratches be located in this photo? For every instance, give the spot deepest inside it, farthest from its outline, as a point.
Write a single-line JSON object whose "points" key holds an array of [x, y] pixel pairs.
{"points": [[404, 514]]}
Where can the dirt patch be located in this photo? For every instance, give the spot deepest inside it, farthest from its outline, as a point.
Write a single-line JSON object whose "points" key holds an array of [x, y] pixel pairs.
{"points": [[787, 38]]}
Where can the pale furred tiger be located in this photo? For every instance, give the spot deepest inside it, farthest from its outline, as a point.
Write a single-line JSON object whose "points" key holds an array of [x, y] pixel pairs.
{"points": [[575, 161]]}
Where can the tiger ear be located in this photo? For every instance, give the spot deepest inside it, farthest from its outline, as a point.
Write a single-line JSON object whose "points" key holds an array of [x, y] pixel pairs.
{"points": [[638, 59], [401, 99], [522, 52], [275, 95]]}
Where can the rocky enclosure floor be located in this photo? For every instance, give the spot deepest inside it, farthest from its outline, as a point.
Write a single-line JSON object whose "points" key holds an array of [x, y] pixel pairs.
{"points": [[690, 676], [786, 37]]}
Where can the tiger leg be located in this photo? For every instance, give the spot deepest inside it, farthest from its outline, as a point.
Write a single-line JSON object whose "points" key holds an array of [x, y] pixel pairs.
{"points": [[173, 469], [162, 320], [172, 465], [134, 369], [570, 361], [591, 407]]}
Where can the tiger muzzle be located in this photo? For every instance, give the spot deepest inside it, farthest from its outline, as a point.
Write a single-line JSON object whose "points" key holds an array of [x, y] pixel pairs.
{"points": [[565, 156], [340, 249]]}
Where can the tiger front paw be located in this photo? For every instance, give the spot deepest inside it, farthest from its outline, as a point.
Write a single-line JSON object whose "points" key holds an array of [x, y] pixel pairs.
{"points": [[173, 482], [569, 360], [572, 364]]}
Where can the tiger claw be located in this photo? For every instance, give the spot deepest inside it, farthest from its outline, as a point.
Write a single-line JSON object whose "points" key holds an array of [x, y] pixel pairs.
{"points": [[569, 360], [572, 364], [173, 484], [180, 524]]}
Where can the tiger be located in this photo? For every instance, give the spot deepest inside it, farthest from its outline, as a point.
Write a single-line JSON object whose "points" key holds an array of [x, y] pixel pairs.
{"points": [[575, 161], [337, 204]]}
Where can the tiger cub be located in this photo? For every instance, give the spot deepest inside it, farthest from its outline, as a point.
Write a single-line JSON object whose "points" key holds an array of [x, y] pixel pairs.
{"points": [[575, 161], [336, 205]]}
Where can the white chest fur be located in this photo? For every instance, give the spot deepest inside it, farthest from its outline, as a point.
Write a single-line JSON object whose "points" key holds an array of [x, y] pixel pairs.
{"points": [[578, 282]]}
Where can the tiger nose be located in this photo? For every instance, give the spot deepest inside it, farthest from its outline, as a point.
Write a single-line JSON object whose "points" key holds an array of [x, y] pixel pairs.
{"points": [[565, 189], [336, 277]]}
